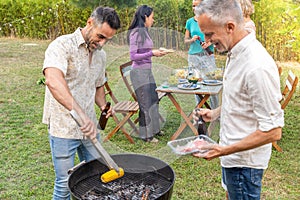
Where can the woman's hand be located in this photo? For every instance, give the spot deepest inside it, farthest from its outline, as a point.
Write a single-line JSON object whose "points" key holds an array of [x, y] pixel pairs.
{"points": [[205, 44], [194, 38], [158, 53]]}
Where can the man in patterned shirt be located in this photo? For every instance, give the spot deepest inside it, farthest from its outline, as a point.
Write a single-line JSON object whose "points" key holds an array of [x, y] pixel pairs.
{"points": [[74, 68]]}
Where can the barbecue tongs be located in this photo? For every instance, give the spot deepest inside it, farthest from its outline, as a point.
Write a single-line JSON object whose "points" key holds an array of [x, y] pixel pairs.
{"points": [[115, 171]]}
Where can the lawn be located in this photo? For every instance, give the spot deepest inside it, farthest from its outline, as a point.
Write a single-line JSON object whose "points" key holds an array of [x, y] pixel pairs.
{"points": [[26, 168]]}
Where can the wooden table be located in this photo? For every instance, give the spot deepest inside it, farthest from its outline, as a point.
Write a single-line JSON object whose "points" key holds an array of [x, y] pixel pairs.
{"points": [[204, 93]]}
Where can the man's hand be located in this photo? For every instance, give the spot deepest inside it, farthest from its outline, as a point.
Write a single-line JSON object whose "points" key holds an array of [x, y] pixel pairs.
{"points": [[88, 128], [214, 151], [205, 113], [110, 111]]}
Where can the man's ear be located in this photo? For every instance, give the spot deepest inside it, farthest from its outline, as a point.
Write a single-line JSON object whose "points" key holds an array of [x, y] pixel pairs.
{"points": [[230, 26], [89, 22]]}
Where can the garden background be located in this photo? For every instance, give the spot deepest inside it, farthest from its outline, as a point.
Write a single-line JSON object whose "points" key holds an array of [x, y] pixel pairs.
{"points": [[26, 29], [277, 21]]}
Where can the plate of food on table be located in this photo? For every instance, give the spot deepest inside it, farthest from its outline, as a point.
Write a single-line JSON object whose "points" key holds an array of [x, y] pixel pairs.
{"points": [[188, 86], [211, 82]]}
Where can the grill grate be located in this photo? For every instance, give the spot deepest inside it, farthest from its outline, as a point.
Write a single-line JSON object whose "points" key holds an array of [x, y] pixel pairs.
{"points": [[133, 186]]}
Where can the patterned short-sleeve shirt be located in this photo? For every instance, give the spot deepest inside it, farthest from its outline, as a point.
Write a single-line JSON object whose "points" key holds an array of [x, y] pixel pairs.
{"points": [[69, 54]]}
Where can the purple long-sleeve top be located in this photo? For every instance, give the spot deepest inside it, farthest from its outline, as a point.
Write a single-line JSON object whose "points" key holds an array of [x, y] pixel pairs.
{"points": [[140, 53]]}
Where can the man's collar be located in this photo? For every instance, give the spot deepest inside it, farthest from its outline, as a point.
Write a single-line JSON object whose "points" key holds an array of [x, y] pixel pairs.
{"points": [[79, 37], [241, 45]]}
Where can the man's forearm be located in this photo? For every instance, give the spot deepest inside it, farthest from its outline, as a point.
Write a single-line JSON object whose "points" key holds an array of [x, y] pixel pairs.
{"points": [[216, 113], [100, 98], [256, 139]]}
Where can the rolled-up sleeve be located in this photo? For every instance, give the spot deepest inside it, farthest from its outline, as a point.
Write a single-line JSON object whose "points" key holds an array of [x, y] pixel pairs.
{"points": [[265, 87]]}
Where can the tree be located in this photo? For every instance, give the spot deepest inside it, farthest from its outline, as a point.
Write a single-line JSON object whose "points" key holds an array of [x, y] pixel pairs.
{"points": [[117, 4]]}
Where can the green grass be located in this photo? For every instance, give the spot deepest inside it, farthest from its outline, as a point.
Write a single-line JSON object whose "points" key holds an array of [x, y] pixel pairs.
{"points": [[26, 170]]}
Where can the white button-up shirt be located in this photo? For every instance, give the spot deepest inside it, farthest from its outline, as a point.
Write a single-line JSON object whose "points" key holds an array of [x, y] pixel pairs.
{"points": [[250, 101], [69, 54]]}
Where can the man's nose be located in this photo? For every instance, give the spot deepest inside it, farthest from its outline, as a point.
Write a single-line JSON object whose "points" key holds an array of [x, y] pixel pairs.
{"points": [[102, 41]]}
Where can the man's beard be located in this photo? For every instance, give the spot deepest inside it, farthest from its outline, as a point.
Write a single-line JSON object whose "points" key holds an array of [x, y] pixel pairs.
{"points": [[99, 47], [88, 42]]}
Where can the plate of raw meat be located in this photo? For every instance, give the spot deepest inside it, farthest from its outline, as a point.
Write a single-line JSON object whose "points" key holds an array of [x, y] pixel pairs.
{"points": [[190, 145]]}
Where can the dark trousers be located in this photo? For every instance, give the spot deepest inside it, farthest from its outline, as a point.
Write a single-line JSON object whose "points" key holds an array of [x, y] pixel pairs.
{"points": [[144, 85]]}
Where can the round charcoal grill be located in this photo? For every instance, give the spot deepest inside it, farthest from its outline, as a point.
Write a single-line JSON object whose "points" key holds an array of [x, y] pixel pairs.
{"points": [[145, 178]]}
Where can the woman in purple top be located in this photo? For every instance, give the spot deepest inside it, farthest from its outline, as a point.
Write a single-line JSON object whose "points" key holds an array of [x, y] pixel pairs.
{"points": [[141, 74]]}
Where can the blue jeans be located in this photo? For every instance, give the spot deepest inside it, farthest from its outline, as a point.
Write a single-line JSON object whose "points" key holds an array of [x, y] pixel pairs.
{"points": [[63, 155], [242, 183]]}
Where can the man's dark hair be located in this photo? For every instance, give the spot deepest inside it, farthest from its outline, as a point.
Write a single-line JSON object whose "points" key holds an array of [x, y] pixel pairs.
{"points": [[108, 15]]}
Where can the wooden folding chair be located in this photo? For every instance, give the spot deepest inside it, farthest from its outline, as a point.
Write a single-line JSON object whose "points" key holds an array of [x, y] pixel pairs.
{"points": [[125, 73], [287, 93], [279, 70], [127, 109]]}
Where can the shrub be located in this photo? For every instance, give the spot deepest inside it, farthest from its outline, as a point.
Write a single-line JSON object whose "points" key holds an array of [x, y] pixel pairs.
{"points": [[277, 22], [40, 19]]}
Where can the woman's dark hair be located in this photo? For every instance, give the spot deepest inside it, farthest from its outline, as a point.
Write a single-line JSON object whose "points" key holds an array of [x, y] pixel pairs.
{"points": [[138, 22]]}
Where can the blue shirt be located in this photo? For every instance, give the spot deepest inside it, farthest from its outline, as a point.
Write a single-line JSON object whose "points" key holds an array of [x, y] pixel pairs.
{"points": [[193, 27]]}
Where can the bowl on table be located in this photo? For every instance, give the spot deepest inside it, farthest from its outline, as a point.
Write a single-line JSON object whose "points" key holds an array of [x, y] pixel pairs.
{"points": [[193, 80]]}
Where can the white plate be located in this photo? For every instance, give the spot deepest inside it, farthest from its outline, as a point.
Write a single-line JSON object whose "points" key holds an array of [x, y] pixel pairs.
{"points": [[182, 80], [185, 86], [211, 82], [167, 50]]}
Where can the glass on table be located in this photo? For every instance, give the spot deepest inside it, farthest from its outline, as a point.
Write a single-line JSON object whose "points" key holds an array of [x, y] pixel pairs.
{"points": [[165, 84]]}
